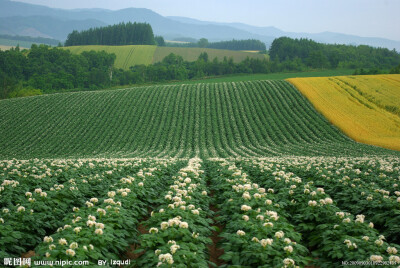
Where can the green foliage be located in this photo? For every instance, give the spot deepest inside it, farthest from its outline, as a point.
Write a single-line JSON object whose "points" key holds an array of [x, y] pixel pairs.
{"points": [[52, 204], [159, 41], [119, 34], [203, 42], [170, 68], [253, 223], [271, 212], [26, 92], [317, 55], [250, 44], [361, 71], [395, 70], [333, 233], [48, 70]]}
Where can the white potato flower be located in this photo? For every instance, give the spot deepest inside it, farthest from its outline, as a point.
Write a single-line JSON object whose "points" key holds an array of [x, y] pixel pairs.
{"points": [[265, 242], [240, 233], [391, 250], [48, 239], [174, 248], [288, 249], [153, 230], [245, 208], [184, 225], [288, 262], [376, 258], [70, 252], [20, 208], [279, 234]]}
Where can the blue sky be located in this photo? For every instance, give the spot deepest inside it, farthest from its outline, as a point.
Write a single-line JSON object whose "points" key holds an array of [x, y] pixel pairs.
{"points": [[370, 18]]}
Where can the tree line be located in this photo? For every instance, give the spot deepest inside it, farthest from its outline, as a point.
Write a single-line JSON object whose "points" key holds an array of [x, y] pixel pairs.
{"points": [[174, 67], [113, 35], [43, 69], [303, 53], [250, 44]]}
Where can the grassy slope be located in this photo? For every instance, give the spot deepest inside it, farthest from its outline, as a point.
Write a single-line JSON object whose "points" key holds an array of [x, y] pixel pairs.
{"points": [[366, 108], [126, 55], [258, 118]]}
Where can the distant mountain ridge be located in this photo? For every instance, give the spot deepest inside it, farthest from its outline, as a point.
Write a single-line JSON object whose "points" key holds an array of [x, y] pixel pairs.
{"points": [[19, 18], [323, 37]]}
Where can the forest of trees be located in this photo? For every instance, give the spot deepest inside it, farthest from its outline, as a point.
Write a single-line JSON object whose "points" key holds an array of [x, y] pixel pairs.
{"points": [[250, 44], [395, 70], [300, 53], [113, 35], [47, 70]]}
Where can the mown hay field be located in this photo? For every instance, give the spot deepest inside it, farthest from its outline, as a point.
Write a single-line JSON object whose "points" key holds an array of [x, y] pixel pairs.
{"points": [[366, 108]]}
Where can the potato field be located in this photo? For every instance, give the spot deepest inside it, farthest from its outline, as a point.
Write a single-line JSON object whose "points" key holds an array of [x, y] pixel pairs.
{"points": [[244, 119], [271, 212], [233, 174]]}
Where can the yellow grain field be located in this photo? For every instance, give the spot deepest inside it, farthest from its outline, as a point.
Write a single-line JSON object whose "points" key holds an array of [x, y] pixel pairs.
{"points": [[366, 108]]}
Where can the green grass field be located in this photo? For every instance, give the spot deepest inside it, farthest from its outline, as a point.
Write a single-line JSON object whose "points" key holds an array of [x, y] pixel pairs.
{"points": [[126, 55], [254, 118], [191, 54], [140, 54]]}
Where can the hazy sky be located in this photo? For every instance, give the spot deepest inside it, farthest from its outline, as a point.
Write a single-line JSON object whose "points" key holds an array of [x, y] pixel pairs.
{"points": [[372, 18]]}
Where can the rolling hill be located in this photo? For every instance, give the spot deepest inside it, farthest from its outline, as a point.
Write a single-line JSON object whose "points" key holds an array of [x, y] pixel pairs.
{"points": [[245, 119]]}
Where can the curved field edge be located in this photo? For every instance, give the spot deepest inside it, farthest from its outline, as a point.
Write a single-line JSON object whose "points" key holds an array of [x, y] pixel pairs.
{"points": [[244, 119], [365, 108]]}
